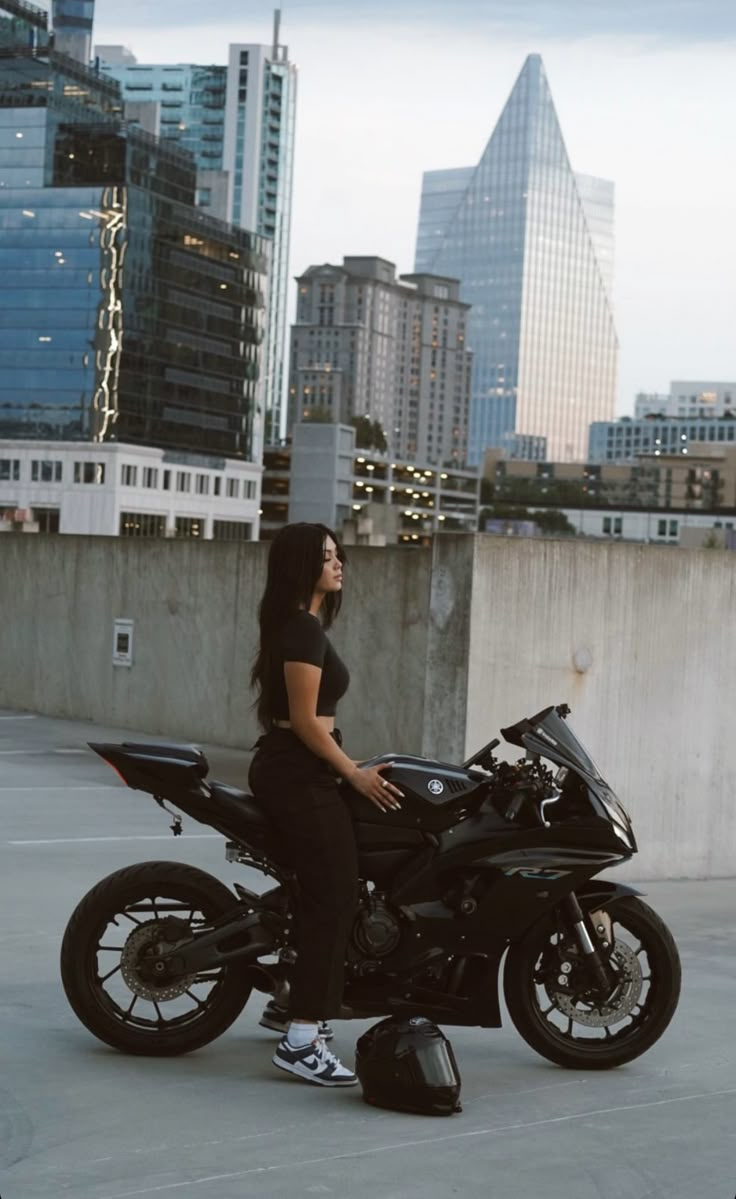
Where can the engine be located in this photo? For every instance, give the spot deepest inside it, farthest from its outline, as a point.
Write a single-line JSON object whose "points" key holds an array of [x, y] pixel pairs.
{"points": [[377, 930]]}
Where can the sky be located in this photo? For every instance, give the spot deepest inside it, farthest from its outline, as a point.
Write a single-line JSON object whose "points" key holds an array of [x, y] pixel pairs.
{"points": [[645, 95]]}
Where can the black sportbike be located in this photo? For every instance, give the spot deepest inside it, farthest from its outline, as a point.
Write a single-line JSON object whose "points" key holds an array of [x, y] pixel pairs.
{"points": [[488, 869]]}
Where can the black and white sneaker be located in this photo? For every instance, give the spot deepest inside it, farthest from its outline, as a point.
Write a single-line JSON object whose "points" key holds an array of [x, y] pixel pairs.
{"points": [[314, 1063], [276, 1018]]}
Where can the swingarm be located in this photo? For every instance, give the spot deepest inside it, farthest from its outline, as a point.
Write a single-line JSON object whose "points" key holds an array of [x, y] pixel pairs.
{"points": [[243, 935]]}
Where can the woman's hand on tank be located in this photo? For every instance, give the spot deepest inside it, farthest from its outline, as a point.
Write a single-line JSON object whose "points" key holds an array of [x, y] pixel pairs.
{"points": [[369, 781]]}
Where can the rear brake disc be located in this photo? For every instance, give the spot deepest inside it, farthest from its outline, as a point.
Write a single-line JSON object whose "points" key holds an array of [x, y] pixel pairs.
{"points": [[145, 937]]}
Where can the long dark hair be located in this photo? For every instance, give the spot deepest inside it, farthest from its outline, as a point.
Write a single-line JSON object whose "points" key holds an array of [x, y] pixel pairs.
{"points": [[295, 563]]}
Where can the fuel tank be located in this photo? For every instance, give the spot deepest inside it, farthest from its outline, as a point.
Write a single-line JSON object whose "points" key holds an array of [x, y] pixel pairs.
{"points": [[435, 794]]}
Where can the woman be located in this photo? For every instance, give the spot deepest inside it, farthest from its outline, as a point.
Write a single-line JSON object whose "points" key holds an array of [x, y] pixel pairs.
{"points": [[295, 772]]}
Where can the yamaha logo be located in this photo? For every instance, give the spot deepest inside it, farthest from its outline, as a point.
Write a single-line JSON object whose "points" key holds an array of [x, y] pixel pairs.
{"points": [[436, 786]]}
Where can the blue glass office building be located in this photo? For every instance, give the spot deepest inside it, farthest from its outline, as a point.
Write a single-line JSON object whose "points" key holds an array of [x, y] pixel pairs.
{"points": [[125, 313], [528, 241]]}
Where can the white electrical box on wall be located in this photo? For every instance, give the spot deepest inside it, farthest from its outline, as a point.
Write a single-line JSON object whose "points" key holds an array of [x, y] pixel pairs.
{"points": [[122, 643]]}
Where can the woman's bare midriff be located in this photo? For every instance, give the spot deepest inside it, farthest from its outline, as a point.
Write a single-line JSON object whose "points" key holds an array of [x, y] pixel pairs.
{"points": [[327, 722]]}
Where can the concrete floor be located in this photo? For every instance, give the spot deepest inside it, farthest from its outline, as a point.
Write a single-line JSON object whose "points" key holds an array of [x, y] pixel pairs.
{"points": [[78, 1119]]}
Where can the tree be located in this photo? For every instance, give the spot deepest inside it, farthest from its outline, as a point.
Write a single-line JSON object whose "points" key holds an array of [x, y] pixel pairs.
{"points": [[487, 491], [369, 435], [553, 521], [549, 520]]}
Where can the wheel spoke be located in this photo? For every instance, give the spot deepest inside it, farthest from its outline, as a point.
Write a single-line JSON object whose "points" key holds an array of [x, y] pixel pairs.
{"points": [[131, 918], [194, 997], [109, 974], [112, 948], [133, 1002], [158, 1012]]}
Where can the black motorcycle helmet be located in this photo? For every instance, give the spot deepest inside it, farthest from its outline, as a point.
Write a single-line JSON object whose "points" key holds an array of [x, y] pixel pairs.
{"points": [[408, 1065]]}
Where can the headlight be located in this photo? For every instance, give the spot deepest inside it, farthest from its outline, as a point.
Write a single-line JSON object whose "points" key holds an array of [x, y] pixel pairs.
{"points": [[622, 836], [618, 814]]}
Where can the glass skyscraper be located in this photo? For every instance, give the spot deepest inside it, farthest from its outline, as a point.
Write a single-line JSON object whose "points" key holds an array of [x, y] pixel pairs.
{"points": [[73, 20], [238, 122], [532, 245], [126, 313]]}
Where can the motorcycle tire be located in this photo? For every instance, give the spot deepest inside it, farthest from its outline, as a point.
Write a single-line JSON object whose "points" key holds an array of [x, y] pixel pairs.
{"points": [[596, 1052], [91, 921]]}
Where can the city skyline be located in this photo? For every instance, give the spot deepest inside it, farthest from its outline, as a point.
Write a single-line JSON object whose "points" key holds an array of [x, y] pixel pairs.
{"points": [[644, 98]]}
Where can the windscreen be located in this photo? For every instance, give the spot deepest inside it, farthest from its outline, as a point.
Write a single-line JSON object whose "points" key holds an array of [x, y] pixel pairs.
{"points": [[547, 733]]}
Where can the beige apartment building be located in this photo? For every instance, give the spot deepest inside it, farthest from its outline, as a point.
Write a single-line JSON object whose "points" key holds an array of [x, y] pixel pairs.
{"points": [[368, 344]]}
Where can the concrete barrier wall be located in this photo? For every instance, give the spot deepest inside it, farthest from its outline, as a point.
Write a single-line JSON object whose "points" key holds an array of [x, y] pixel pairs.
{"points": [[652, 631], [443, 648], [194, 607]]}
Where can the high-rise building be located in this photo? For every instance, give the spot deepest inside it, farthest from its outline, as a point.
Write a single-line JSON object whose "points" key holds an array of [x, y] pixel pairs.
{"points": [[532, 246], [127, 314], [394, 350], [238, 122], [73, 21], [699, 398]]}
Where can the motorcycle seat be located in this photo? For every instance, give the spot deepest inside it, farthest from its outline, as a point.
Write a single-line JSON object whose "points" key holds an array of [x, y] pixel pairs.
{"points": [[248, 808]]}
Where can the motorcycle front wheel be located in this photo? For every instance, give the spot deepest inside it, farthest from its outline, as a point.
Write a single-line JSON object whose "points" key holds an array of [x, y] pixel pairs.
{"points": [[554, 1004], [108, 961]]}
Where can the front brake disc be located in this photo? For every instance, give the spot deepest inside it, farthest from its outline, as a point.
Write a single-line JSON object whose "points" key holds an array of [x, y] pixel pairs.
{"points": [[620, 1004]]}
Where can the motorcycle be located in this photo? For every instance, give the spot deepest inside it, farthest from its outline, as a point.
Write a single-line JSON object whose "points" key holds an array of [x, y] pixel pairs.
{"points": [[487, 872]]}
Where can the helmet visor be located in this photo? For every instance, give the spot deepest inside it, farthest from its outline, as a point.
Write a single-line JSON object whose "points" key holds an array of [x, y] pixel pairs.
{"points": [[432, 1064]]}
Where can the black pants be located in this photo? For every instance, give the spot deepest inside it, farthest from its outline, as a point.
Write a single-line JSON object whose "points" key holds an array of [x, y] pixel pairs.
{"points": [[316, 839]]}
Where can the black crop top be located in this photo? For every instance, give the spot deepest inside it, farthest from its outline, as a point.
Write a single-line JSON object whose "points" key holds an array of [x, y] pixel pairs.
{"points": [[303, 639]]}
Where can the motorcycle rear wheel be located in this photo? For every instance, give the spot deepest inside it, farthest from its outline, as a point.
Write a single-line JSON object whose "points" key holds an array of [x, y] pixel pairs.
{"points": [[546, 1017], [104, 948]]}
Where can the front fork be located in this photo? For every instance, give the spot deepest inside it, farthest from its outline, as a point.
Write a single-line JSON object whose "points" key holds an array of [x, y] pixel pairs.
{"points": [[596, 963]]}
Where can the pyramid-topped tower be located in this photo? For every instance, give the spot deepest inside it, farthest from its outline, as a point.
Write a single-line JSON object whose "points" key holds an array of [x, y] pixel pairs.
{"points": [[532, 245]]}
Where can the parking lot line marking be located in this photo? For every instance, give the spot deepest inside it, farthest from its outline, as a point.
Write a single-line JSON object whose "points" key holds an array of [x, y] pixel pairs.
{"points": [[51, 787], [40, 753], [457, 1136], [94, 840], [18, 718]]}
